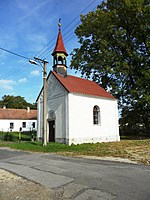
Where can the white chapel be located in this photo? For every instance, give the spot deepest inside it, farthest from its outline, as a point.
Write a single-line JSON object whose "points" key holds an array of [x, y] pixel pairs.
{"points": [[78, 110]]}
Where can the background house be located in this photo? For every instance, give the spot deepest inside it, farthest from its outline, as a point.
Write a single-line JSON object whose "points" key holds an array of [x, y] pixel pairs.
{"points": [[14, 119], [78, 110]]}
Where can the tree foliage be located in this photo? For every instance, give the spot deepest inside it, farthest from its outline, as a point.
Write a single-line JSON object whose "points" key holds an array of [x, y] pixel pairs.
{"points": [[115, 52], [17, 102]]}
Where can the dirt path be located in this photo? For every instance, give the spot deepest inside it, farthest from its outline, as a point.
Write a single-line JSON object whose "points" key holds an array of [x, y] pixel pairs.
{"points": [[13, 187]]}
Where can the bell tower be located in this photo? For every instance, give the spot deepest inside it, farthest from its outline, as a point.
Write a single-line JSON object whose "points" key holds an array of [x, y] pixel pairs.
{"points": [[59, 55]]}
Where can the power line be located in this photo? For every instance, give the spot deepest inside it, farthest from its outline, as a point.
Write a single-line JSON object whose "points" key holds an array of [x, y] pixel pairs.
{"points": [[52, 46], [44, 54], [22, 71], [16, 54], [11, 72], [40, 54], [14, 74]]}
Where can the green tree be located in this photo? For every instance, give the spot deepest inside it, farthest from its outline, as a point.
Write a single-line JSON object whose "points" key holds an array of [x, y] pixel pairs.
{"points": [[115, 52], [17, 102]]}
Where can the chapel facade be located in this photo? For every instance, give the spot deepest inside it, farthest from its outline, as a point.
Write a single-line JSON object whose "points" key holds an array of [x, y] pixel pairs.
{"points": [[78, 110]]}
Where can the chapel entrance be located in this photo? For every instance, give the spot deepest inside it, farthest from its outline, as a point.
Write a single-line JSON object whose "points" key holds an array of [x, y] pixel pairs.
{"points": [[52, 131]]}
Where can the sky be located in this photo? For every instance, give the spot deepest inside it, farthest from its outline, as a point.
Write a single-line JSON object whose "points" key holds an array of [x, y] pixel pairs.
{"points": [[29, 28]]}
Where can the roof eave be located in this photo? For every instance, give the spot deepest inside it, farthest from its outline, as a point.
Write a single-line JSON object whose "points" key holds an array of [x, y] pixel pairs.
{"points": [[96, 96]]}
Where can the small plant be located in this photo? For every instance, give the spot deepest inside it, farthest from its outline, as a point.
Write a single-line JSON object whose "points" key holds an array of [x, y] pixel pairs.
{"points": [[8, 137]]}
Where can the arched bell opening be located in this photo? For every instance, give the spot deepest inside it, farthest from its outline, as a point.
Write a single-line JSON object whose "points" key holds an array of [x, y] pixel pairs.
{"points": [[60, 60]]}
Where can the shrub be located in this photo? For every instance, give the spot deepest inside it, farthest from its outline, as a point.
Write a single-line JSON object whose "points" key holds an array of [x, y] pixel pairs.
{"points": [[8, 137]]}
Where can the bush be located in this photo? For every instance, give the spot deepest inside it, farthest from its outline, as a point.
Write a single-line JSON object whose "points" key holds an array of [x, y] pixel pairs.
{"points": [[8, 137], [14, 136], [28, 135]]}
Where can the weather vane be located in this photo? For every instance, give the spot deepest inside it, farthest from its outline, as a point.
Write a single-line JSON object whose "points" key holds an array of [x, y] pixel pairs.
{"points": [[59, 23]]}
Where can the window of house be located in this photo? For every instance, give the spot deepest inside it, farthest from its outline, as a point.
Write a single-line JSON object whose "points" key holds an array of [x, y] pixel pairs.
{"points": [[24, 124], [96, 115], [33, 125], [11, 125]]}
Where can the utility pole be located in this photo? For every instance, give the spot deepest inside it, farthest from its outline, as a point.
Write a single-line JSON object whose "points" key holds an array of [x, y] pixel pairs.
{"points": [[44, 103], [44, 62]]}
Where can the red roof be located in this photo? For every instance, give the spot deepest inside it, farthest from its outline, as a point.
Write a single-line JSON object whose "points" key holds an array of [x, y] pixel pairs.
{"points": [[9, 113], [59, 48], [82, 86]]}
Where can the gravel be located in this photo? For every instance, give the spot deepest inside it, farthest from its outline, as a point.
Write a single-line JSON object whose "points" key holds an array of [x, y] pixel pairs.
{"points": [[13, 187]]}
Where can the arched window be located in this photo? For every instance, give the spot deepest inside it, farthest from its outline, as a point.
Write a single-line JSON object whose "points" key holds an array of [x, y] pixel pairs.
{"points": [[96, 115], [60, 60]]}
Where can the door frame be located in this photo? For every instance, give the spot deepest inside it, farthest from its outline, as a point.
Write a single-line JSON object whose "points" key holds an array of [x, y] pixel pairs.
{"points": [[51, 137]]}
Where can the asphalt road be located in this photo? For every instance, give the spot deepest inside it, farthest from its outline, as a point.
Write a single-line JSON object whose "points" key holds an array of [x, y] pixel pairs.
{"points": [[83, 178]]}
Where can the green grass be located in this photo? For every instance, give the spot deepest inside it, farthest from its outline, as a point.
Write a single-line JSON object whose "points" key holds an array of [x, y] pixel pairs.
{"points": [[25, 136], [138, 150]]}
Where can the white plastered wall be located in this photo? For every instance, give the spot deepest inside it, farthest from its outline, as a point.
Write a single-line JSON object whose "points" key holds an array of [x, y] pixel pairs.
{"points": [[81, 127], [56, 102], [5, 125]]}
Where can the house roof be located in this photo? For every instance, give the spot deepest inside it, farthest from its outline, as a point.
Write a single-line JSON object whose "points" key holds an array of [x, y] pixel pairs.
{"points": [[59, 48], [21, 114], [82, 86]]}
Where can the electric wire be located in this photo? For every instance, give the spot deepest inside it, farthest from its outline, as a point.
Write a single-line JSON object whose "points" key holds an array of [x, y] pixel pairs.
{"points": [[50, 48], [40, 54], [22, 71], [72, 33], [16, 54], [12, 72]]}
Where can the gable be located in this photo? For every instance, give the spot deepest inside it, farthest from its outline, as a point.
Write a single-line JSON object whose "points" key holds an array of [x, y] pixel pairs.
{"points": [[54, 87]]}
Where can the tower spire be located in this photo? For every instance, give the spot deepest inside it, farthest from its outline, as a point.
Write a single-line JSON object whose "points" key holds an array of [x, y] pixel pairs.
{"points": [[59, 47], [59, 54]]}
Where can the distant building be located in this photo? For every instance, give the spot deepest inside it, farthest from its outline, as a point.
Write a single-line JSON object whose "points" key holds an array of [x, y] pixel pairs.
{"points": [[78, 110], [17, 119]]}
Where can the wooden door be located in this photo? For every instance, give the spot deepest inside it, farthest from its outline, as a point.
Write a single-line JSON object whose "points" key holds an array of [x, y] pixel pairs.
{"points": [[52, 131]]}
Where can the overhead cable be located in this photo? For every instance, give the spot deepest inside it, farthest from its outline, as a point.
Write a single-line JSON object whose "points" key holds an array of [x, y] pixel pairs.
{"points": [[16, 54], [40, 54]]}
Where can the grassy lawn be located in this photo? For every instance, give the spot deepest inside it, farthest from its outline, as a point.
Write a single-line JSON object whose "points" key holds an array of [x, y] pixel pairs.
{"points": [[14, 136], [136, 150]]}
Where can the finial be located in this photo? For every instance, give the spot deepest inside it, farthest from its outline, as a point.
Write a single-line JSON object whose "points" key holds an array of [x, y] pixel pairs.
{"points": [[59, 24]]}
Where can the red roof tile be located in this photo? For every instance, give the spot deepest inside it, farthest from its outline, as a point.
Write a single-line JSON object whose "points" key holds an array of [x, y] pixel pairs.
{"points": [[9, 113], [59, 45], [82, 86]]}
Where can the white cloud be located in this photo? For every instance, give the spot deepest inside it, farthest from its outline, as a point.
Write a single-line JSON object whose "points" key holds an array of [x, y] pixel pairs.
{"points": [[35, 73], [22, 80], [7, 84], [29, 8]]}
